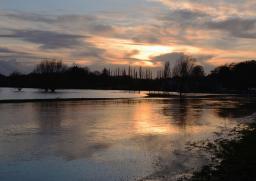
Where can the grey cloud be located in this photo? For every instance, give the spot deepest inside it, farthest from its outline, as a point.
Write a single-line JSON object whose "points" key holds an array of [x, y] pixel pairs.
{"points": [[28, 17], [7, 67], [53, 40], [46, 18], [238, 27], [5, 50], [6, 53], [184, 16], [182, 19], [11, 65], [147, 38], [99, 28], [89, 51], [88, 22], [47, 39], [173, 57]]}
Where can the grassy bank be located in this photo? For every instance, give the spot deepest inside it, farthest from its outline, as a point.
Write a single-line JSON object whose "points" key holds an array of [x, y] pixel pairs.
{"points": [[238, 159]]}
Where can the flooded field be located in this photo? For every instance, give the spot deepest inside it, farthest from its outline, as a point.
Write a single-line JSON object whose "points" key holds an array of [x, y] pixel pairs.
{"points": [[129, 139], [28, 94]]}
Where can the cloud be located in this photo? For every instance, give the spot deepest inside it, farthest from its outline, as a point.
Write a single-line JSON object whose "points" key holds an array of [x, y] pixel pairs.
{"points": [[5, 50], [11, 53], [172, 58], [183, 16], [47, 39], [9, 66], [169, 57], [234, 17], [217, 8], [197, 27], [28, 16], [237, 27]]}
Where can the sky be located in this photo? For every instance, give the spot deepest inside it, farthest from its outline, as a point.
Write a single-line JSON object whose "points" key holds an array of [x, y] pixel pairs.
{"points": [[111, 33]]}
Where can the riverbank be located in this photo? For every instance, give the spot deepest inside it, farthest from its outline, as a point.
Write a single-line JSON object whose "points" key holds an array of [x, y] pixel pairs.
{"points": [[237, 158], [198, 95]]}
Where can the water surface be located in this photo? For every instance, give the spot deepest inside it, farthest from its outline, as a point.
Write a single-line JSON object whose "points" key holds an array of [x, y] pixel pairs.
{"points": [[110, 139], [27, 94]]}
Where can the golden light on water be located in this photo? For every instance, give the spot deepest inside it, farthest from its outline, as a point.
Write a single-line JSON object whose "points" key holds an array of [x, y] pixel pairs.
{"points": [[147, 127], [147, 124]]}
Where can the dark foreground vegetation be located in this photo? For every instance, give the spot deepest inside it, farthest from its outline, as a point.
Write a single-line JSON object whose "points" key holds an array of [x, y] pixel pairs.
{"points": [[185, 76], [238, 159]]}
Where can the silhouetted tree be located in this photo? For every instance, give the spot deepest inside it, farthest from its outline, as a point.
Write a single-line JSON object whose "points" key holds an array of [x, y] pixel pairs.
{"points": [[96, 73], [182, 71], [198, 71], [50, 67], [222, 76], [140, 73], [77, 70], [167, 70], [238, 76], [17, 78], [186, 76], [105, 72], [129, 71], [2, 80], [243, 75]]}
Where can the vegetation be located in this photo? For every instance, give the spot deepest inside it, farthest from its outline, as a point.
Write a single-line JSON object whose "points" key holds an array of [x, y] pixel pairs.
{"points": [[182, 72], [236, 76], [53, 74], [238, 159], [185, 76]]}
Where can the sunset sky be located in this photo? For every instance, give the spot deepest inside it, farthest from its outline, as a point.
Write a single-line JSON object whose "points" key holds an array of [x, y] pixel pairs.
{"points": [[109, 33]]}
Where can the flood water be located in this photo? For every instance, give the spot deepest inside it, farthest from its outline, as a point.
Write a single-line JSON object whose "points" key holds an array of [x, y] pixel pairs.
{"points": [[25, 94], [127, 139]]}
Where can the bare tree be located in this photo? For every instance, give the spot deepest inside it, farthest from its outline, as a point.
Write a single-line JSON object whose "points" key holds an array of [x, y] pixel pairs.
{"points": [[167, 70], [129, 71], [182, 70], [50, 67], [140, 73]]}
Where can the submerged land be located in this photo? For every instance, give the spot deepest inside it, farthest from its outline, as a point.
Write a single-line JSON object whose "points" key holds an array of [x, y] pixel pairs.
{"points": [[155, 120], [231, 156], [237, 158]]}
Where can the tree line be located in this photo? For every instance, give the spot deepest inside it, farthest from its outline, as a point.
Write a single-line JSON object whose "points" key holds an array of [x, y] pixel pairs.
{"points": [[186, 75]]}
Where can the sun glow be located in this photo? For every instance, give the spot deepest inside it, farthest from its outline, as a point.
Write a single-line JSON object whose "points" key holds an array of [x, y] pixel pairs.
{"points": [[145, 52], [120, 47]]}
